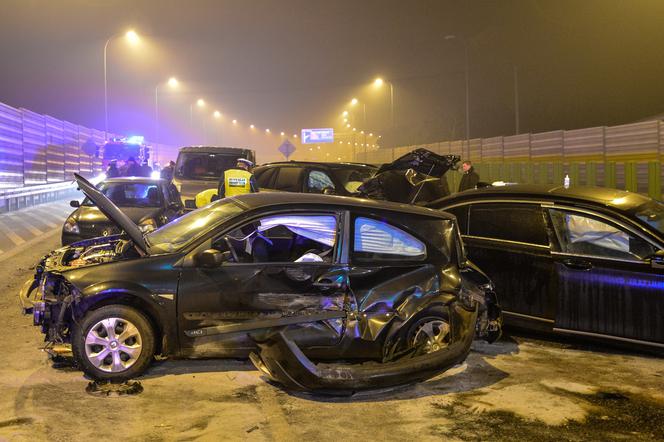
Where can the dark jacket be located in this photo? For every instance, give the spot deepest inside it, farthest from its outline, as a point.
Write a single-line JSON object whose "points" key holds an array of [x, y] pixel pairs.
{"points": [[167, 173], [132, 170], [469, 180], [112, 171]]}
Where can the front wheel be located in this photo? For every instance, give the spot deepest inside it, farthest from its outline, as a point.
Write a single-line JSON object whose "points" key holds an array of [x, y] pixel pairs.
{"points": [[113, 343], [430, 332]]}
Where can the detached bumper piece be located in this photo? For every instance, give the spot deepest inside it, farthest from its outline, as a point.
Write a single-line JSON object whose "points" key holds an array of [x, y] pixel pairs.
{"points": [[281, 360]]}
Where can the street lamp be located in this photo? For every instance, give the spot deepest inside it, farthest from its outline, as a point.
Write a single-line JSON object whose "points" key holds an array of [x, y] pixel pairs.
{"points": [[378, 83], [354, 102], [173, 84], [465, 47], [133, 39], [200, 103]]}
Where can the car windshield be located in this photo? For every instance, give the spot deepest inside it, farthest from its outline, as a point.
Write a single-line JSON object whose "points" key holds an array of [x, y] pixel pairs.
{"points": [[204, 166], [130, 194], [176, 234], [652, 213], [353, 177]]}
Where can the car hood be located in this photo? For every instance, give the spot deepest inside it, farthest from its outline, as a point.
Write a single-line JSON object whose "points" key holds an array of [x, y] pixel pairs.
{"points": [[112, 212], [422, 161], [92, 214]]}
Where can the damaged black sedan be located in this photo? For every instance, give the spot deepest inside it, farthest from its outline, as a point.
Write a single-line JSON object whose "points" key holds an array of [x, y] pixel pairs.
{"points": [[296, 282]]}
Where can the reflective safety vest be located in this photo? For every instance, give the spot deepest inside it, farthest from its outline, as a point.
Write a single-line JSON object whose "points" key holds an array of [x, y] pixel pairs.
{"points": [[236, 182], [205, 197]]}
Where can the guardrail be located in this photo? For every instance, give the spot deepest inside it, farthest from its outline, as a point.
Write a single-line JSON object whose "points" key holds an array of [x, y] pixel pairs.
{"points": [[20, 197]]}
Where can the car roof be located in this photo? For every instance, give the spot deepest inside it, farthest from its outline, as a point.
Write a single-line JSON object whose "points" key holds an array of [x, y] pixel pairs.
{"points": [[319, 163], [134, 179], [621, 200], [214, 149], [264, 199]]}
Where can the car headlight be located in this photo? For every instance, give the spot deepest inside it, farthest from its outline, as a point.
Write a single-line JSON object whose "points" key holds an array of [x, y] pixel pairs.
{"points": [[147, 225], [71, 226]]}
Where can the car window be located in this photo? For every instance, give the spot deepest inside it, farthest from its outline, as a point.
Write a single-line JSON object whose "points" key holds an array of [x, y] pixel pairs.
{"points": [[377, 240], [282, 238], [264, 177], [319, 181], [288, 179], [582, 234], [461, 213], [508, 221], [130, 194]]}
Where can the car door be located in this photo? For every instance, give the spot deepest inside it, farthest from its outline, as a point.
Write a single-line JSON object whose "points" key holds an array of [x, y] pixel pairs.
{"points": [[608, 285], [509, 241], [284, 268]]}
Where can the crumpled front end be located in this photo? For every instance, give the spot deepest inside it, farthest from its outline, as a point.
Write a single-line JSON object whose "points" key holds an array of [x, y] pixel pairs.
{"points": [[281, 360]]}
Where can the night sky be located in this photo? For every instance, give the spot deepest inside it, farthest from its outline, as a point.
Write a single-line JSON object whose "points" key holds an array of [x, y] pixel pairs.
{"points": [[290, 64]]}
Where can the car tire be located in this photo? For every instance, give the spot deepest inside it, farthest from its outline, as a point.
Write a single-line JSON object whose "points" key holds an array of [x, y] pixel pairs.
{"points": [[113, 343], [430, 330]]}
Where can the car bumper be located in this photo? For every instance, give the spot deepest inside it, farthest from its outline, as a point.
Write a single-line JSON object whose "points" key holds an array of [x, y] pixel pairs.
{"points": [[281, 360]]}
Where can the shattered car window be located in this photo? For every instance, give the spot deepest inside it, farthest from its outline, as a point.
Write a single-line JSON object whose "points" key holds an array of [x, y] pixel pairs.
{"points": [[352, 178], [377, 237], [579, 234], [319, 181], [176, 234], [283, 238], [653, 214]]}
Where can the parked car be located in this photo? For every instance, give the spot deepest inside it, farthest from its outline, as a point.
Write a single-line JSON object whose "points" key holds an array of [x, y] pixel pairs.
{"points": [[581, 261], [313, 177], [199, 168], [278, 276], [150, 203]]}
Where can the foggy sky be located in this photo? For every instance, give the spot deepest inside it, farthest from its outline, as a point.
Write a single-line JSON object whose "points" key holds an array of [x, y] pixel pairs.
{"points": [[290, 64]]}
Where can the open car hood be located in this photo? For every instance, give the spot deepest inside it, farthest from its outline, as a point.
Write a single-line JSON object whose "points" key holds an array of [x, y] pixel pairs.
{"points": [[414, 178], [112, 212], [422, 161]]}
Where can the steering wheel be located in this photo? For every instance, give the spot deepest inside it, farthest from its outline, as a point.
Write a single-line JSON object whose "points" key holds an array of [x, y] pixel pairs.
{"points": [[231, 249]]}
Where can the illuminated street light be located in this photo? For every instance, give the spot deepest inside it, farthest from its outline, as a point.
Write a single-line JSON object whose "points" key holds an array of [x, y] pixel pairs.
{"points": [[371, 134], [200, 102], [362, 132], [353, 129], [353, 102], [378, 82], [173, 84], [133, 39], [294, 135], [348, 125], [251, 126], [234, 121], [345, 113], [267, 131], [217, 114], [283, 133]]}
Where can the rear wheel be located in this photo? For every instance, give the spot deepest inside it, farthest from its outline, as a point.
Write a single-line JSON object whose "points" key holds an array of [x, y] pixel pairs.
{"points": [[430, 332], [113, 343]]}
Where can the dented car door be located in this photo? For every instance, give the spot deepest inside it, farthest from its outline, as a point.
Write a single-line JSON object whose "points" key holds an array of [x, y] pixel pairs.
{"points": [[279, 270]]}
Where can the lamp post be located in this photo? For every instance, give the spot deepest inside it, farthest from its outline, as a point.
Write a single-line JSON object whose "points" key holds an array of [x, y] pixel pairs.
{"points": [[378, 82], [200, 103], [467, 74], [133, 39], [172, 83]]}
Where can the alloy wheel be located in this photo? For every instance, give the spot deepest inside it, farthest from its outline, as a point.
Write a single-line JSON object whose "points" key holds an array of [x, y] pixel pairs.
{"points": [[113, 345]]}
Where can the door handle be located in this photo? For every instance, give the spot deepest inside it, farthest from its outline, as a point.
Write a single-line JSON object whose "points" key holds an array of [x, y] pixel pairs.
{"points": [[577, 264], [327, 284]]}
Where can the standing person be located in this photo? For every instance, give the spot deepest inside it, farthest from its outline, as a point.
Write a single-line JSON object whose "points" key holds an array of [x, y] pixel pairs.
{"points": [[470, 178], [167, 171], [238, 180], [145, 169], [112, 170], [132, 168]]}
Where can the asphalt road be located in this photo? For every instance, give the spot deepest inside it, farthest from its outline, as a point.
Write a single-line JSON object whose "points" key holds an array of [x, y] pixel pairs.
{"points": [[518, 389]]}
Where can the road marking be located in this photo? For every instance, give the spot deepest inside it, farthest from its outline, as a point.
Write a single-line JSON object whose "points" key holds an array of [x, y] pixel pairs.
{"points": [[23, 221], [42, 219], [60, 218], [17, 240]]}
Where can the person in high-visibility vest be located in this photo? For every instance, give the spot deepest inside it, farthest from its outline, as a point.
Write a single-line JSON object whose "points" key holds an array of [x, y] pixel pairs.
{"points": [[238, 181]]}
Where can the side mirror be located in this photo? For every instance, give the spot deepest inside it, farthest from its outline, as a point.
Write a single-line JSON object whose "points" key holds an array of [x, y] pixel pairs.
{"points": [[189, 204], [657, 260], [210, 259], [74, 203]]}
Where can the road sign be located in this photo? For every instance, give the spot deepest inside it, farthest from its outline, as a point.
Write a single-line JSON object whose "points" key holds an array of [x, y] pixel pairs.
{"points": [[313, 136], [286, 148]]}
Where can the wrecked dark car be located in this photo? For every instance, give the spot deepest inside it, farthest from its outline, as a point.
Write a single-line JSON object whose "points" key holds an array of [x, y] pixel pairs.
{"points": [[148, 202], [414, 178], [586, 262], [297, 282]]}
